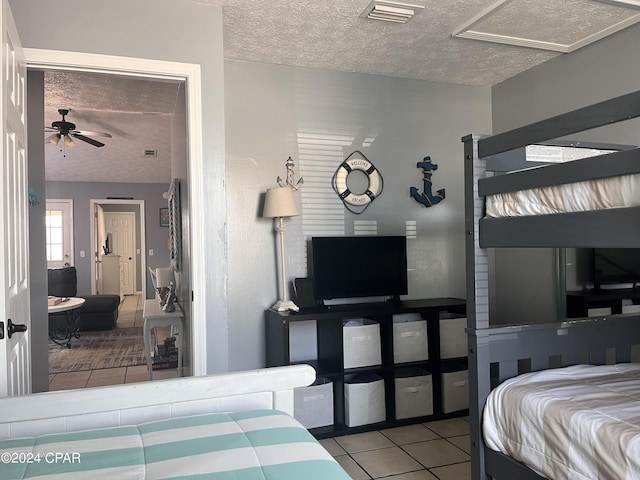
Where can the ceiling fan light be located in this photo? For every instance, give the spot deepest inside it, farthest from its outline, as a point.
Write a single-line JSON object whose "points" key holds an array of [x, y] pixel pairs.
{"points": [[55, 138], [68, 142]]}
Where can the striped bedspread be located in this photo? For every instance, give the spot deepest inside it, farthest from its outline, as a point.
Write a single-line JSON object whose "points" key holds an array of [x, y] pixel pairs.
{"points": [[580, 422], [252, 445]]}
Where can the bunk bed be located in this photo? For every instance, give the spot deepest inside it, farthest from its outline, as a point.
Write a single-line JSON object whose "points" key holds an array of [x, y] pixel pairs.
{"points": [[500, 353]]}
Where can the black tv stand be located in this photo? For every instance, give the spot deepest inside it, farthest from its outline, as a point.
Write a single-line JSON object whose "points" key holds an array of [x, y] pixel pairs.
{"points": [[579, 302], [330, 354], [395, 300]]}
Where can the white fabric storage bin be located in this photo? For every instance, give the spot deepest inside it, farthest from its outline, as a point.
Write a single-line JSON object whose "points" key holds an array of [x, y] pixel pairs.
{"points": [[414, 393], [361, 343], [409, 338], [455, 390], [364, 400], [313, 405], [453, 337], [630, 308]]}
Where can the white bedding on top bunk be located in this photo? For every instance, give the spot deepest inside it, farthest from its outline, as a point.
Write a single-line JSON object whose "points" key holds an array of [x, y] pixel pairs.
{"points": [[579, 422], [611, 192]]}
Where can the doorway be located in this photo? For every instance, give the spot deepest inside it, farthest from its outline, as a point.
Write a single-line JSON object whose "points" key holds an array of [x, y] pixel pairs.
{"points": [[190, 74], [123, 223]]}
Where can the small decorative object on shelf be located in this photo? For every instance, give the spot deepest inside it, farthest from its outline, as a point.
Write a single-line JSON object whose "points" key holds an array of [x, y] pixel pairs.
{"points": [[169, 304], [166, 355], [426, 197]]}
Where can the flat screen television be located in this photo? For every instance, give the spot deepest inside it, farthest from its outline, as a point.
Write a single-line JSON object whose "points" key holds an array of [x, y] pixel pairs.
{"points": [[611, 266], [359, 266]]}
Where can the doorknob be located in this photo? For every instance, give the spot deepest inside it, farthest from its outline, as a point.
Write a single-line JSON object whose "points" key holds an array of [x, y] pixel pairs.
{"points": [[15, 328]]}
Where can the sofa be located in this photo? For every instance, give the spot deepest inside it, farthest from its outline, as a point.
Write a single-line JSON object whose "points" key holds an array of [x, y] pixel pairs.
{"points": [[99, 312]]}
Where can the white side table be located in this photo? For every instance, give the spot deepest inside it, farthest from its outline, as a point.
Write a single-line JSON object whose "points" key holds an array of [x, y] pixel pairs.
{"points": [[154, 317]]}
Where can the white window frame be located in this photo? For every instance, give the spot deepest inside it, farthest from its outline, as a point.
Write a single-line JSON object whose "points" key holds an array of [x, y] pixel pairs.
{"points": [[66, 206]]}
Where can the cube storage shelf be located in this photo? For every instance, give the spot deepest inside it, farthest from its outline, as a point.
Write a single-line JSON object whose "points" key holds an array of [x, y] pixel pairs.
{"points": [[329, 359]]}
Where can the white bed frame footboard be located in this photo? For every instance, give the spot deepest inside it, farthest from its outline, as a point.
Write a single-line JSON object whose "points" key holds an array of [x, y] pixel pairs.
{"points": [[131, 404]]}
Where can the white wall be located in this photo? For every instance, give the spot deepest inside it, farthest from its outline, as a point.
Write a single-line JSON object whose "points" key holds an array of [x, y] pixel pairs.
{"points": [[267, 106]]}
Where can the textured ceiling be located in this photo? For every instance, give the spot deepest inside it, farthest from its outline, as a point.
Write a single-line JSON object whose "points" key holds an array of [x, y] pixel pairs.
{"points": [[327, 34]]}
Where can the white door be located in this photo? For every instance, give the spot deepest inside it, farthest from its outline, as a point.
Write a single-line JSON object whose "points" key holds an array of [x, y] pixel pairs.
{"points": [[15, 355], [121, 226]]}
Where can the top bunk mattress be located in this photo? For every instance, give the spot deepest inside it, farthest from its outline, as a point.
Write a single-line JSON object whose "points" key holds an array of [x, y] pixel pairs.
{"points": [[610, 192], [568, 423]]}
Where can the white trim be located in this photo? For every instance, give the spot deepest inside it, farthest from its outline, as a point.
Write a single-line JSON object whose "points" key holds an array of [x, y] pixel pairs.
{"points": [[191, 73], [68, 226], [111, 406]]}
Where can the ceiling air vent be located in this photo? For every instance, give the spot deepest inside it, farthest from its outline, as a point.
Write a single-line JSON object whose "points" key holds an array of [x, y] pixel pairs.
{"points": [[150, 153], [388, 11]]}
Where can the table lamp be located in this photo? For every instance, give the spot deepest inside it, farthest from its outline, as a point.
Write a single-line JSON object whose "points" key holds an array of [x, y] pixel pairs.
{"points": [[279, 203]]}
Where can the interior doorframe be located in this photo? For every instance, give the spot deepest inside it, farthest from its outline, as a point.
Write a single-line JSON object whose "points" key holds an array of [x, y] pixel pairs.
{"points": [[143, 242], [191, 75]]}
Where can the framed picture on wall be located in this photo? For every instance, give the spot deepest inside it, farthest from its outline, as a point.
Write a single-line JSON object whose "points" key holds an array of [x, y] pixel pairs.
{"points": [[164, 217]]}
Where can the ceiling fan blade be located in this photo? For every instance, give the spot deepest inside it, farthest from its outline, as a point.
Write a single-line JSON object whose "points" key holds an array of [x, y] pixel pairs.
{"points": [[93, 134], [91, 141], [50, 129]]}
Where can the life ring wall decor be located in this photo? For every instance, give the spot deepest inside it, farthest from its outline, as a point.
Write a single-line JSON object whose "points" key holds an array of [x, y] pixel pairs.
{"points": [[357, 202]]}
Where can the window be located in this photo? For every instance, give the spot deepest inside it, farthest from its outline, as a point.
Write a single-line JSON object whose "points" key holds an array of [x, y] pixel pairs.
{"points": [[59, 233]]}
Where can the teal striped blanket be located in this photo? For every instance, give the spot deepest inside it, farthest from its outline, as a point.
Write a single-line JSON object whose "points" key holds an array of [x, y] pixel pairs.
{"points": [[252, 445]]}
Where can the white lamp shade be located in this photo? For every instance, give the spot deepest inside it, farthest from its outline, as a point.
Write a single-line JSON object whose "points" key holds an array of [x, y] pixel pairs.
{"points": [[164, 276], [279, 202]]}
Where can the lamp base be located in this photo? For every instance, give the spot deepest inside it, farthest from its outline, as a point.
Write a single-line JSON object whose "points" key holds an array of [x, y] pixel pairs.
{"points": [[285, 305]]}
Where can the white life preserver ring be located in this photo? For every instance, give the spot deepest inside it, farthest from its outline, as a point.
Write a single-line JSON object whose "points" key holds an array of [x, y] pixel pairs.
{"points": [[374, 188]]}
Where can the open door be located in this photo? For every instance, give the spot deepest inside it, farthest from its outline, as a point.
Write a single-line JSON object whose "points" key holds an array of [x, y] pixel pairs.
{"points": [[15, 354]]}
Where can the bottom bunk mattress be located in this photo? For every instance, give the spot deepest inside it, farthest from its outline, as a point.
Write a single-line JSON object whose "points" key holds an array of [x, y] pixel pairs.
{"points": [[610, 192], [252, 445], [579, 422]]}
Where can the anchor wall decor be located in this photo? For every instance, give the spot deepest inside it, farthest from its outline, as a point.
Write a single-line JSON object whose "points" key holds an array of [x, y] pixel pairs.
{"points": [[426, 197], [289, 181]]}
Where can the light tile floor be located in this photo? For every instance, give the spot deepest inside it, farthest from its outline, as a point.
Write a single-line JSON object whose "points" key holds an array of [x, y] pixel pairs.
{"points": [[426, 451], [129, 315], [429, 451]]}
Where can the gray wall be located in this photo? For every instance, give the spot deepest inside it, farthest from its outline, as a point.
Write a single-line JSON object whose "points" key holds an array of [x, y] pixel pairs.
{"points": [[133, 29], [595, 73], [269, 108], [37, 238]]}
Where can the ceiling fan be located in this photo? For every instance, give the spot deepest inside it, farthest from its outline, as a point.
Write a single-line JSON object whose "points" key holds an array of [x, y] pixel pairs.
{"points": [[68, 131]]}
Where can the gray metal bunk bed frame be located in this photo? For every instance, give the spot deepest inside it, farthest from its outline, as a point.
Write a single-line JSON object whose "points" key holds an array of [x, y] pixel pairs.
{"points": [[499, 353]]}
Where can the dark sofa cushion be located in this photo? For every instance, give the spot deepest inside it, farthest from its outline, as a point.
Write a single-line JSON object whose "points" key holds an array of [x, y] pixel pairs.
{"points": [[63, 282]]}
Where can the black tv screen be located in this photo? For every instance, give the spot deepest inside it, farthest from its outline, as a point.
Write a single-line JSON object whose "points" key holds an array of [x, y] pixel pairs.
{"points": [[615, 266], [360, 266]]}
